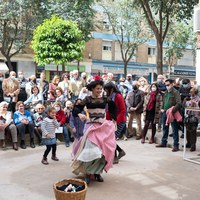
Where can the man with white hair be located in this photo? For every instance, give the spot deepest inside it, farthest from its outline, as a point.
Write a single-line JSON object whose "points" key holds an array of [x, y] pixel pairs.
{"points": [[11, 90], [129, 82], [110, 78], [83, 79], [74, 85]]}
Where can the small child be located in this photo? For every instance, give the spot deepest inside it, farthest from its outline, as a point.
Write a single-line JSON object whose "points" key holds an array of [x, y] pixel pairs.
{"points": [[48, 127]]}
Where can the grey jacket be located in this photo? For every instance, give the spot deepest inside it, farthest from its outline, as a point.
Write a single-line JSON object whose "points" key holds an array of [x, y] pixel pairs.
{"points": [[135, 100]]}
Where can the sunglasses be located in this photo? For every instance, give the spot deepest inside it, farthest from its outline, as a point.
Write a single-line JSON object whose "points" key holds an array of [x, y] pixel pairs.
{"points": [[40, 108]]}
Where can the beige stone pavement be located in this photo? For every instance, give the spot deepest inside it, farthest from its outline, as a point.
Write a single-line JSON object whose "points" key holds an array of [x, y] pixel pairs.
{"points": [[145, 173]]}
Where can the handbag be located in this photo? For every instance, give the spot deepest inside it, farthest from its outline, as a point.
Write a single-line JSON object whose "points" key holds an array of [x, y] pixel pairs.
{"points": [[191, 120], [59, 130], [7, 99]]}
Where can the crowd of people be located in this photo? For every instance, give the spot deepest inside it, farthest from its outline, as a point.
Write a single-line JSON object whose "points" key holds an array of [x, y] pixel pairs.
{"points": [[94, 112]]}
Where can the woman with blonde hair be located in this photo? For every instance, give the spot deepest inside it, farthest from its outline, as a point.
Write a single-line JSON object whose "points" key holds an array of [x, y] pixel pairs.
{"points": [[52, 87], [65, 85], [143, 85]]}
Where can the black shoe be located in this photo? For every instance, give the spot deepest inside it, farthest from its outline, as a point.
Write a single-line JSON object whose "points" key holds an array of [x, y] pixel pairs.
{"points": [[121, 154], [87, 179], [138, 137], [54, 158], [175, 149], [116, 160], [15, 147], [71, 139], [193, 149], [182, 136], [129, 135], [98, 178], [161, 145], [23, 145], [32, 145], [188, 145], [171, 135]]}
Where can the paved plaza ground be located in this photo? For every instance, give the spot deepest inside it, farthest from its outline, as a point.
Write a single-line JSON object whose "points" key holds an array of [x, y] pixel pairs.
{"points": [[145, 173]]}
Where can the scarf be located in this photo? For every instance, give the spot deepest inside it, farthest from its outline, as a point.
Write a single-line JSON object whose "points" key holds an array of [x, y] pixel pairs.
{"points": [[152, 101]]}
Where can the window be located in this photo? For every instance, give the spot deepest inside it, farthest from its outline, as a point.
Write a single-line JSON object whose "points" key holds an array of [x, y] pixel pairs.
{"points": [[107, 46], [151, 51]]}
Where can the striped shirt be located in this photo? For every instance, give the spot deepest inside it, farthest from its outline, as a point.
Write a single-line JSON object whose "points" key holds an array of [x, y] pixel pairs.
{"points": [[49, 126]]}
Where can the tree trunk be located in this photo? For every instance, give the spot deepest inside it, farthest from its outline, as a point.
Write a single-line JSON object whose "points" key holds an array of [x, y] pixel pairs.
{"points": [[10, 67], [63, 68], [57, 69], [125, 68], [78, 66], [159, 58]]}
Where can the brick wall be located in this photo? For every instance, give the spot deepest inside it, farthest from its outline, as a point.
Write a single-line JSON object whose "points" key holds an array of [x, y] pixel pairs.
{"points": [[142, 53]]}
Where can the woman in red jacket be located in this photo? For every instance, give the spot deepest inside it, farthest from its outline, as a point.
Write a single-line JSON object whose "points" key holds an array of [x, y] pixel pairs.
{"points": [[114, 94], [61, 118]]}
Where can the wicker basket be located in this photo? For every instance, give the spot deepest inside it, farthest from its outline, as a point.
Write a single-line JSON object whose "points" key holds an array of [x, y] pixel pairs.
{"points": [[61, 195]]}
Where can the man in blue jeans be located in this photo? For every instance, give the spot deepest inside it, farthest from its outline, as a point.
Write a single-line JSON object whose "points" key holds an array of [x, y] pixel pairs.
{"points": [[170, 98]]}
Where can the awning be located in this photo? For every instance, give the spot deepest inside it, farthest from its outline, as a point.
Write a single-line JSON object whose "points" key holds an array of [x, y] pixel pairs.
{"points": [[3, 68]]}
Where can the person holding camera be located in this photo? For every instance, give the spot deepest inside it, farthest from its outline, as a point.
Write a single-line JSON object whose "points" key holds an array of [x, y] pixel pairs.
{"points": [[192, 118], [68, 112]]}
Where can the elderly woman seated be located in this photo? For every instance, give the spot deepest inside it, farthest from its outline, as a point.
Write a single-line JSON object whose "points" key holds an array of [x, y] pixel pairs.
{"points": [[38, 119], [23, 120], [7, 125]]}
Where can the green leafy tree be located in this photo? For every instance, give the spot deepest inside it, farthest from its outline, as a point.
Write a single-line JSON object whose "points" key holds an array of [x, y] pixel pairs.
{"points": [[17, 20], [128, 26], [178, 38], [57, 41], [80, 11], [160, 15]]}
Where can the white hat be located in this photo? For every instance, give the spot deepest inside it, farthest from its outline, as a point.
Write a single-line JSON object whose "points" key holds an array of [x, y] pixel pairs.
{"points": [[129, 75], [3, 103]]}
